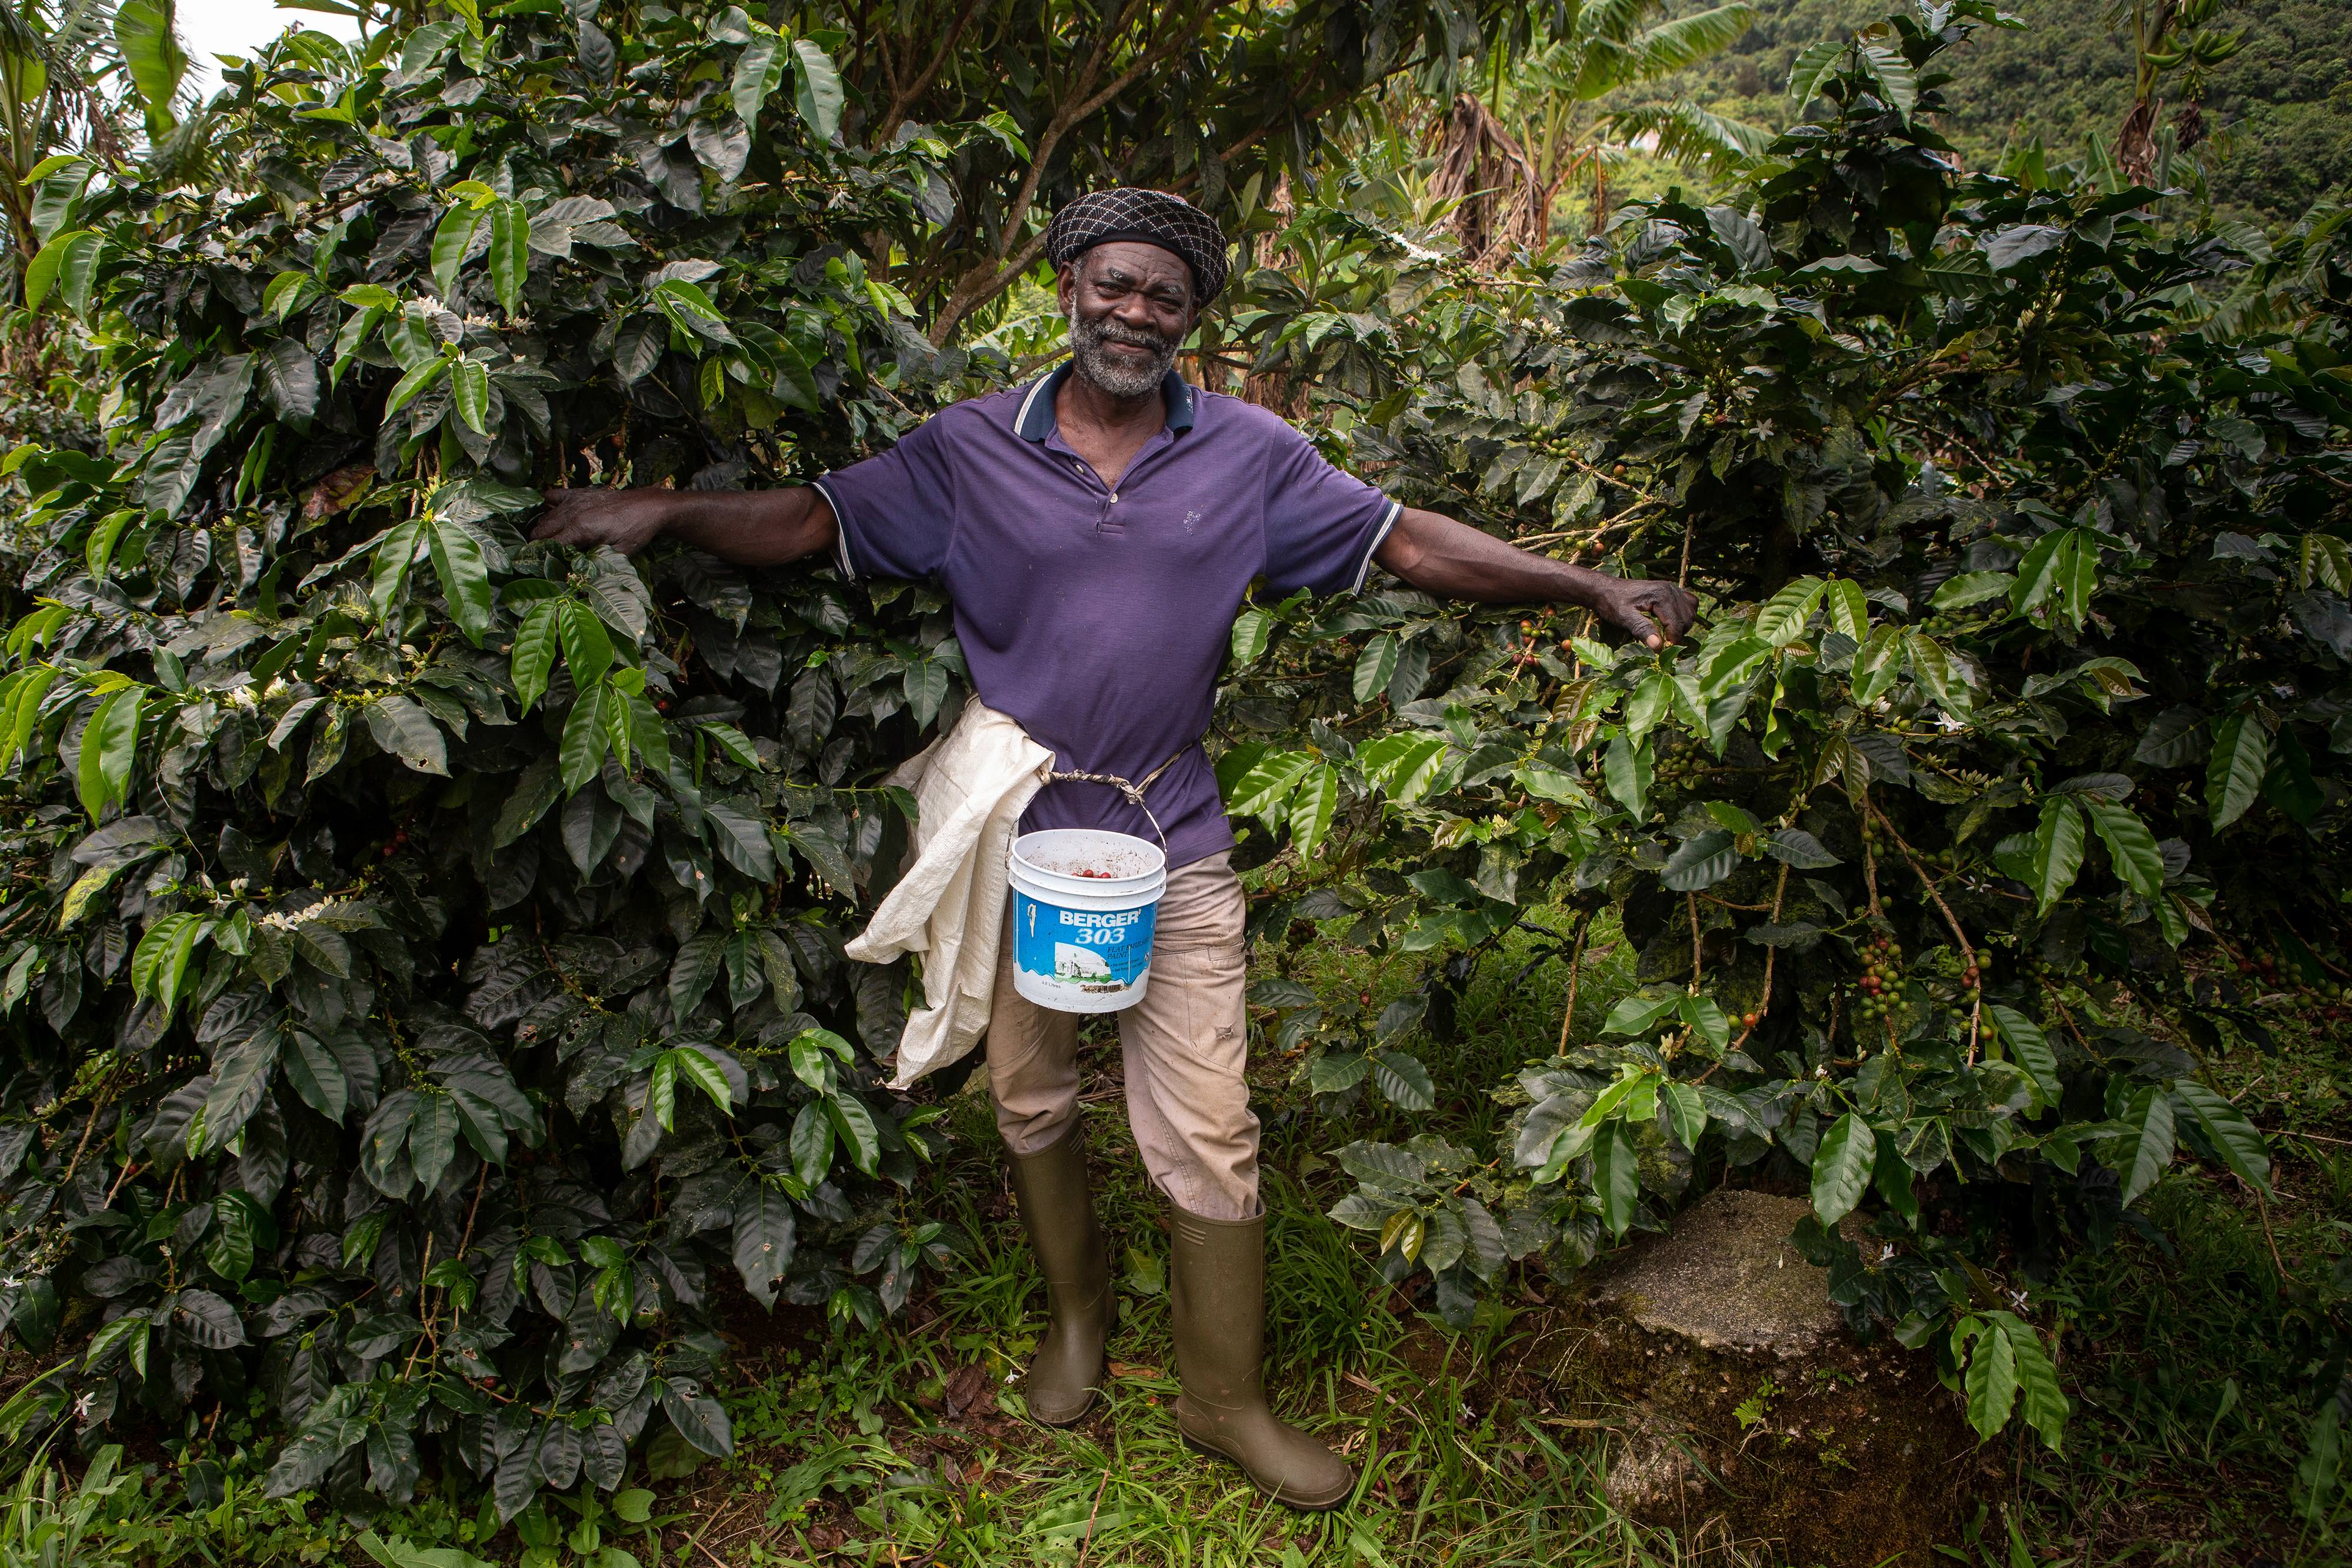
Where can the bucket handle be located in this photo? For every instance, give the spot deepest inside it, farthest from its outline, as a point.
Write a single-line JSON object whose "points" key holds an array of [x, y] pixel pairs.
{"points": [[1133, 790]]}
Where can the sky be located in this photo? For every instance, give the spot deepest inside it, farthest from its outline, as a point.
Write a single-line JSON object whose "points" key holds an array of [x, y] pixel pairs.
{"points": [[209, 27]]}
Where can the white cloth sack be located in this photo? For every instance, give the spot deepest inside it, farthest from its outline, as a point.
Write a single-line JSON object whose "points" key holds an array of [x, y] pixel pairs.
{"points": [[970, 787]]}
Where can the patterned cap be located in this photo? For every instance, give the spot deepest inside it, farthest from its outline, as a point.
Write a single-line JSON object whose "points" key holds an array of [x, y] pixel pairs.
{"points": [[1153, 217]]}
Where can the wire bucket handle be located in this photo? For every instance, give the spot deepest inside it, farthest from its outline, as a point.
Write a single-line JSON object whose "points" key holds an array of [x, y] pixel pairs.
{"points": [[1132, 788]]}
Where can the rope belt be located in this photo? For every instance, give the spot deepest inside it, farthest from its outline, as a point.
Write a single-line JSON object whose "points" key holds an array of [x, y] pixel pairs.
{"points": [[1133, 789]]}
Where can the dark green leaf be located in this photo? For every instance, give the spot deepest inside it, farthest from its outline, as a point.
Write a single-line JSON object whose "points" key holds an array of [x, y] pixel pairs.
{"points": [[207, 1320], [1842, 1166], [699, 1420], [1701, 862], [2149, 1151], [240, 1078], [509, 255], [464, 579], [759, 71], [2234, 773], [1375, 667], [535, 646], [1403, 1080], [433, 1138], [405, 730], [816, 89], [2239, 1145], [2176, 739], [587, 649], [764, 1231], [812, 1143], [2131, 848], [2032, 1049], [316, 1075], [855, 1125], [451, 240], [1796, 848], [1616, 1175], [2057, 848], [741, 840], [586, 738], [1990, 1380]]}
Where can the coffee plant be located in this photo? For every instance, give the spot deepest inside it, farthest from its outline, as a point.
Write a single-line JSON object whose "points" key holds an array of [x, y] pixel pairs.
{"points": [[423, 962], [2018, 503]]}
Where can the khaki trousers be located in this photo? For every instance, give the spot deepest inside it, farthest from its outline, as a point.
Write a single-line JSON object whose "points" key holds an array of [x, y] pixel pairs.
{"points": [[1185, 1044]]}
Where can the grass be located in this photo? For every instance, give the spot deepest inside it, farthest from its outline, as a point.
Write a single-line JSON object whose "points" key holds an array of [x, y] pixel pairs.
{"points": [[2193, 1359], [1452, 1468], [2194, 1351], [1449, 1473]]}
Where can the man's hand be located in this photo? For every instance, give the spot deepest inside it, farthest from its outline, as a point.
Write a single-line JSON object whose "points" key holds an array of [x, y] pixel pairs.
{"points": [[1657, 613], [627, 520]]}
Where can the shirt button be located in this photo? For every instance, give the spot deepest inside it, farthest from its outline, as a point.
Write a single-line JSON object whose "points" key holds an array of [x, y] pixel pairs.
{"points": [[1114, 494]]}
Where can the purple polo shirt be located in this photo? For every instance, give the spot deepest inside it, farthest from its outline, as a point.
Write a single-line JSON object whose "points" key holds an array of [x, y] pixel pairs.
{"points": [[1098, 618]]}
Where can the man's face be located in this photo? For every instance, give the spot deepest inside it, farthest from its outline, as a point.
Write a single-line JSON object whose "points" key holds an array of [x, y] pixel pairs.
{"points": [[1130, 306]]}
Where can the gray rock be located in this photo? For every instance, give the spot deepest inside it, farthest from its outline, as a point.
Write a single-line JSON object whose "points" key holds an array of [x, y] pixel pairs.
{"points": [[1726, 1278]]}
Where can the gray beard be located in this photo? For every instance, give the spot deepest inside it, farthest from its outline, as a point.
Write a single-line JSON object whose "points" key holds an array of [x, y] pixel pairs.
{"points": [[1091, 361]]}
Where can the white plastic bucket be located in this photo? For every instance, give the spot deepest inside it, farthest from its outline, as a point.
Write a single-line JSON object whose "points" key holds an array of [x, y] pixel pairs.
{"points": [[1083, 905]]}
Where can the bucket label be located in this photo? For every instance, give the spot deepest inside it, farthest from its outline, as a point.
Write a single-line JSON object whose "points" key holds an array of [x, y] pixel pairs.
{"points": [[1099, 950]]}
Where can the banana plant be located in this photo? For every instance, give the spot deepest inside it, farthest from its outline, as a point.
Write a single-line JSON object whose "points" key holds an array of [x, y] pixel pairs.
{"points": [[79, 81], [1584, 95]]}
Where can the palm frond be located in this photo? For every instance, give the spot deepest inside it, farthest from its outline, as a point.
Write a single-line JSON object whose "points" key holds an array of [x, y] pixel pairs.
{"points": [[77, 44], [82, 28], [187, 153], [1606, 66], [70, 111], [1689, 135], [1617, 20], [1550, 66], [1608, 60], [1685, 41], [17, 33]]}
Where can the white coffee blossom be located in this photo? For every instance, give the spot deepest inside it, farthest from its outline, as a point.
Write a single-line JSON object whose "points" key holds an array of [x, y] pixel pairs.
{"points": [[286, 919]]}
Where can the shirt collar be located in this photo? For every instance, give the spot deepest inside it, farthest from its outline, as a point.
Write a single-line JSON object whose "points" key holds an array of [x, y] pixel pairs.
{"points": [[1036, 421]]}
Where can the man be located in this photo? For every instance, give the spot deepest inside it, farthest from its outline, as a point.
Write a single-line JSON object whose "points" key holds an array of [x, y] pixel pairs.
{"points": [[1095, 532]]}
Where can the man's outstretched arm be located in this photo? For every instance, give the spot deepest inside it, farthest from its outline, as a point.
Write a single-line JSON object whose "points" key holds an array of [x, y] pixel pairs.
{"points": [[1454, 560], [750, 527]]}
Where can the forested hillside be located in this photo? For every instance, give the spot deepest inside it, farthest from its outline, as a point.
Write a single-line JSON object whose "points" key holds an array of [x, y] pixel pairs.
{"points": [[2279, 115]]}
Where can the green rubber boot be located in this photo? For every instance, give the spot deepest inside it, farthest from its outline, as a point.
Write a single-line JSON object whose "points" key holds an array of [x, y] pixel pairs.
{"points": [[1058, 1209], [1217, 1311]]}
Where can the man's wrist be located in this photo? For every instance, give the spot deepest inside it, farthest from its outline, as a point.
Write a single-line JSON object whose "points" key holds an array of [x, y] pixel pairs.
{"points": [[671, 510], [1585, 588]]}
